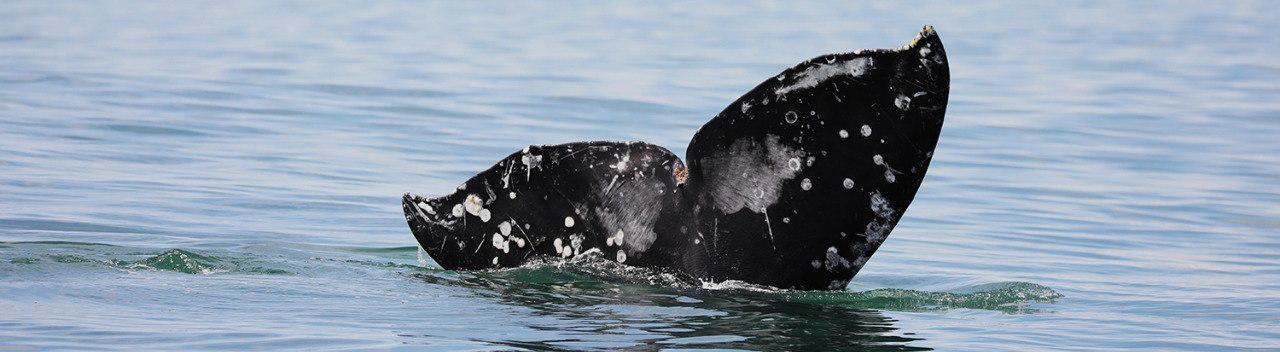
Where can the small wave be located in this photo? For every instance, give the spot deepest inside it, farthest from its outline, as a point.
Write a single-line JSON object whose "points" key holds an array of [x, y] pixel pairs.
{"points": [[111, 256], [1008, 297], [729, 285], [187, 262], [594, 271], [177, 260], [592, 266], [382, 250]]}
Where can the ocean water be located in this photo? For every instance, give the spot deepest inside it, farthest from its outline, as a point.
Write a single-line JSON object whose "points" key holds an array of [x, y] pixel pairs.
{"points": [[227, 175]]}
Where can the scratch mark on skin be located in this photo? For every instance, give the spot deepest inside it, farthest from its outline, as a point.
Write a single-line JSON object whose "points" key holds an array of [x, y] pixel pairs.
{"points": [[770, 225], [522, 234], [419, 210], [715, 234], [506, 179], [610, 187], [492, 196], [569, 155]]}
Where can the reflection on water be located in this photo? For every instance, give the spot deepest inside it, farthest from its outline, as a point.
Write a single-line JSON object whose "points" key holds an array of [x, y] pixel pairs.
{"points": [[584, 304], [226, 175]]}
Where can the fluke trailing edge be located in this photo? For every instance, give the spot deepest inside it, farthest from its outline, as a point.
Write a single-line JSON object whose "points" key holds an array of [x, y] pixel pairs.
{"points": [[794, 185]]}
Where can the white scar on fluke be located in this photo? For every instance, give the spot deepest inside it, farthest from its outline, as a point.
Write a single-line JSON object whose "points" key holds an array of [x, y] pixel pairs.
{"points": [[753, 173], [820, 72]]}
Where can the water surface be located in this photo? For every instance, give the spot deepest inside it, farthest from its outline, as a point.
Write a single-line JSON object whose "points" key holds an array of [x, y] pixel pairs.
{"points": [[226, 175]]}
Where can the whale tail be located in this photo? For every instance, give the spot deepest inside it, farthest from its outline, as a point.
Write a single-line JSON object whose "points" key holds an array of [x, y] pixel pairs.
{"points": [[795, 184], [800, 180]]}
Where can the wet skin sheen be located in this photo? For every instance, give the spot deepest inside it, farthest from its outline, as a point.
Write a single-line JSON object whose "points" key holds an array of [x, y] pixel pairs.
{"points": [[794, 185]]}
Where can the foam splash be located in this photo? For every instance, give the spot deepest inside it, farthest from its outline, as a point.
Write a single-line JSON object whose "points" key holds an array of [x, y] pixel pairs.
{"points": [[593, 271], [593, 267]]}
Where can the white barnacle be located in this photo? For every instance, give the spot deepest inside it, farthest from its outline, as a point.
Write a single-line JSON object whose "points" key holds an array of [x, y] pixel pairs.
{"points": [[616, 239], [530, 161], [794, 164], [505, 228], [575, 242], [473, 204], [866, 131], [876, 231], [880, 205], [497, 241], [835, 260], [844, 134], [848, 183], [805, 184], [568, 221], [519, 241], [902, 102], [622, 164], [511, 195], [622, 256], [484, 215], [791, 117], [457, 210], [877, 159], [495, 260]]}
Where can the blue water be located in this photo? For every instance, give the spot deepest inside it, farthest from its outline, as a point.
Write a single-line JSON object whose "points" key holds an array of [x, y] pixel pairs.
{"points": [[226, 175]]}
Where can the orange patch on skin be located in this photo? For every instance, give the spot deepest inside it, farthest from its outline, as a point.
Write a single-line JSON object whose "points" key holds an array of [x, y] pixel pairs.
{"points": [[681, 173]]}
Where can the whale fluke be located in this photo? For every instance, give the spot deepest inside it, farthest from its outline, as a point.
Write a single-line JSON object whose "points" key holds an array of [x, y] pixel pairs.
{"points": [[561, 200], [794, 185]]}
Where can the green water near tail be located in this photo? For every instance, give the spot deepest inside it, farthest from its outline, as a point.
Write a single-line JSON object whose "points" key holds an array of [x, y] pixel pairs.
{"points": [[107, 256], [1009, 297], [590, 274]]}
